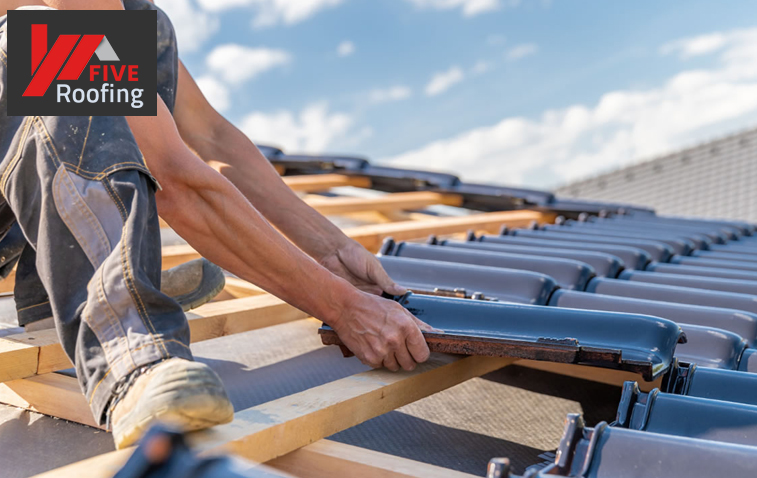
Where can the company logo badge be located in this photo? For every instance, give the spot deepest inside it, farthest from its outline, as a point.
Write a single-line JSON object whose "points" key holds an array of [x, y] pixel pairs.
{"points": [[78, 63]]}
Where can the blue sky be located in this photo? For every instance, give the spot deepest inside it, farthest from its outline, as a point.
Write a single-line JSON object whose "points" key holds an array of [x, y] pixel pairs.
{"points": [[522, 92]]}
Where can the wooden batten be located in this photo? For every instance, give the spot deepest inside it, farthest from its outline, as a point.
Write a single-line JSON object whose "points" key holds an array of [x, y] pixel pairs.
{"points": [[594, 374], [273, 429], [388, 203], [34, 353], [311, 183], [328, 459]]}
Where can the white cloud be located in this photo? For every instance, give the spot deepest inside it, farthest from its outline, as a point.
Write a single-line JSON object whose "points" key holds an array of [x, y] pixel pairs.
{"points": [[395, 93], [215, 92], [469, 8], [219, 5], [444, 80], [193, 26], [288, 12], [236, 64], [346, 48], [701, 45], [521, 51], [571, 143], [313, 130], [273, 12], [481, 67]]}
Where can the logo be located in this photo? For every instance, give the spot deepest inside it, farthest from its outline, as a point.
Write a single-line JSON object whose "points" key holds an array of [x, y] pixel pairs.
{"points": [[81, 63]]}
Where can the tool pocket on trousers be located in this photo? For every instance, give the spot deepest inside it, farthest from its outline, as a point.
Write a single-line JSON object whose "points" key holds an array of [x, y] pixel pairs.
{"points": [[89, 211]]}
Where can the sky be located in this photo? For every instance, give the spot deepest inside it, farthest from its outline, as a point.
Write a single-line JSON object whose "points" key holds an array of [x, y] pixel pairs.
{"points": [[534, 93]]}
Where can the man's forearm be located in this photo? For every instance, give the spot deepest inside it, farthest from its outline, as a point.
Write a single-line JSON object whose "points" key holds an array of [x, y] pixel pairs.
{"points": [[216, 219], [230, 152], [233, 155], [86, 4], [219, 222]]}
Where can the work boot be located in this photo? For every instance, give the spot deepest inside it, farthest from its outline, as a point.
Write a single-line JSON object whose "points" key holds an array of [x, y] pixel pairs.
{"points": [[184, 394], [191, 284]]}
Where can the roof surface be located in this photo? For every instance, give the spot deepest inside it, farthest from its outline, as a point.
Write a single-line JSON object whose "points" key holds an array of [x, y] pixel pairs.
{"points": [[713, 179]]}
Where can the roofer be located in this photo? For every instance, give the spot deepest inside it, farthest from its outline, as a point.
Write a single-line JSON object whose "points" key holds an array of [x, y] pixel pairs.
{"points": [[85, 193]]}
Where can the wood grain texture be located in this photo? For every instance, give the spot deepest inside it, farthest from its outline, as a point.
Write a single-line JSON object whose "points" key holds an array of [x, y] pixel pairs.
{"points": [[49, 394], [273, 429], [7, 284], [329, 459], [594, 374], [239, 288], [321, 182], [372, 236], [178, 254], [26, 355], [39, 393], [389, 202], [17, 359], [385, 204]]}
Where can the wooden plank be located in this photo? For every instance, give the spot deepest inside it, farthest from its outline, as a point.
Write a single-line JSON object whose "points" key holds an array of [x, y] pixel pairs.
{"points": [[278, 427], [371, 236], [387, 203], [50, 394], [390, 202], [281, 426], [7, 284], [594, 374], [172, 256], [240, 288], [178, 254], [25, 355], [327, 459], [321, 182], [38, 393], [18, 360], [324, 182]]}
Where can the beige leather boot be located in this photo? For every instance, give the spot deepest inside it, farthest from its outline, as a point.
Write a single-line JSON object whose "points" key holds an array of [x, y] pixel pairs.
{"points": [[185, 394]]}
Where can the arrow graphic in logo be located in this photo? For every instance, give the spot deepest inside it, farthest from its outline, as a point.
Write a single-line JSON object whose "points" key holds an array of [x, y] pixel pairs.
{"points": [[48, 66]]}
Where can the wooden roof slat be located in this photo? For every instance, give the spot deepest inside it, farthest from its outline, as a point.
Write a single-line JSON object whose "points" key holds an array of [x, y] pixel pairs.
{"points": [[25, 355], [311, 183], [281, 426]]}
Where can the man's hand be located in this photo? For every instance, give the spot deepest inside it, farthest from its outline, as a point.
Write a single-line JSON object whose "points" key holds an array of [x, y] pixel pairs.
{"points": [[356, 265], [380, 332]]}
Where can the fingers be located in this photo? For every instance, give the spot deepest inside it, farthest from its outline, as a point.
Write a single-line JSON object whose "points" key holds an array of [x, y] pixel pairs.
{"points": [[425, 327], [383, 333], [404, 359], [416, 345], [390, 362], [370, 289], [378, 275], [371, 360]]}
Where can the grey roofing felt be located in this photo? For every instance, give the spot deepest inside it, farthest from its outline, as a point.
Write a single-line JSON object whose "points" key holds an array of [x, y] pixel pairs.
{"points": [[713, 179]]}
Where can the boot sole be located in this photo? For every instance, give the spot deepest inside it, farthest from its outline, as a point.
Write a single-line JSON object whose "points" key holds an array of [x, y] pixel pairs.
{"points": [[188, 397]]}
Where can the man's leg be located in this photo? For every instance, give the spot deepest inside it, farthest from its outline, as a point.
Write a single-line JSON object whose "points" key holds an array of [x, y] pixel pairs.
{"points": [[32, 304], [85, 202]]}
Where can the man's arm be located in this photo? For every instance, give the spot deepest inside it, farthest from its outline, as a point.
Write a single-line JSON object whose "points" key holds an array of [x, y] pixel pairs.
{"points": [[85, 4], [230, 152], [216, 219]]}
